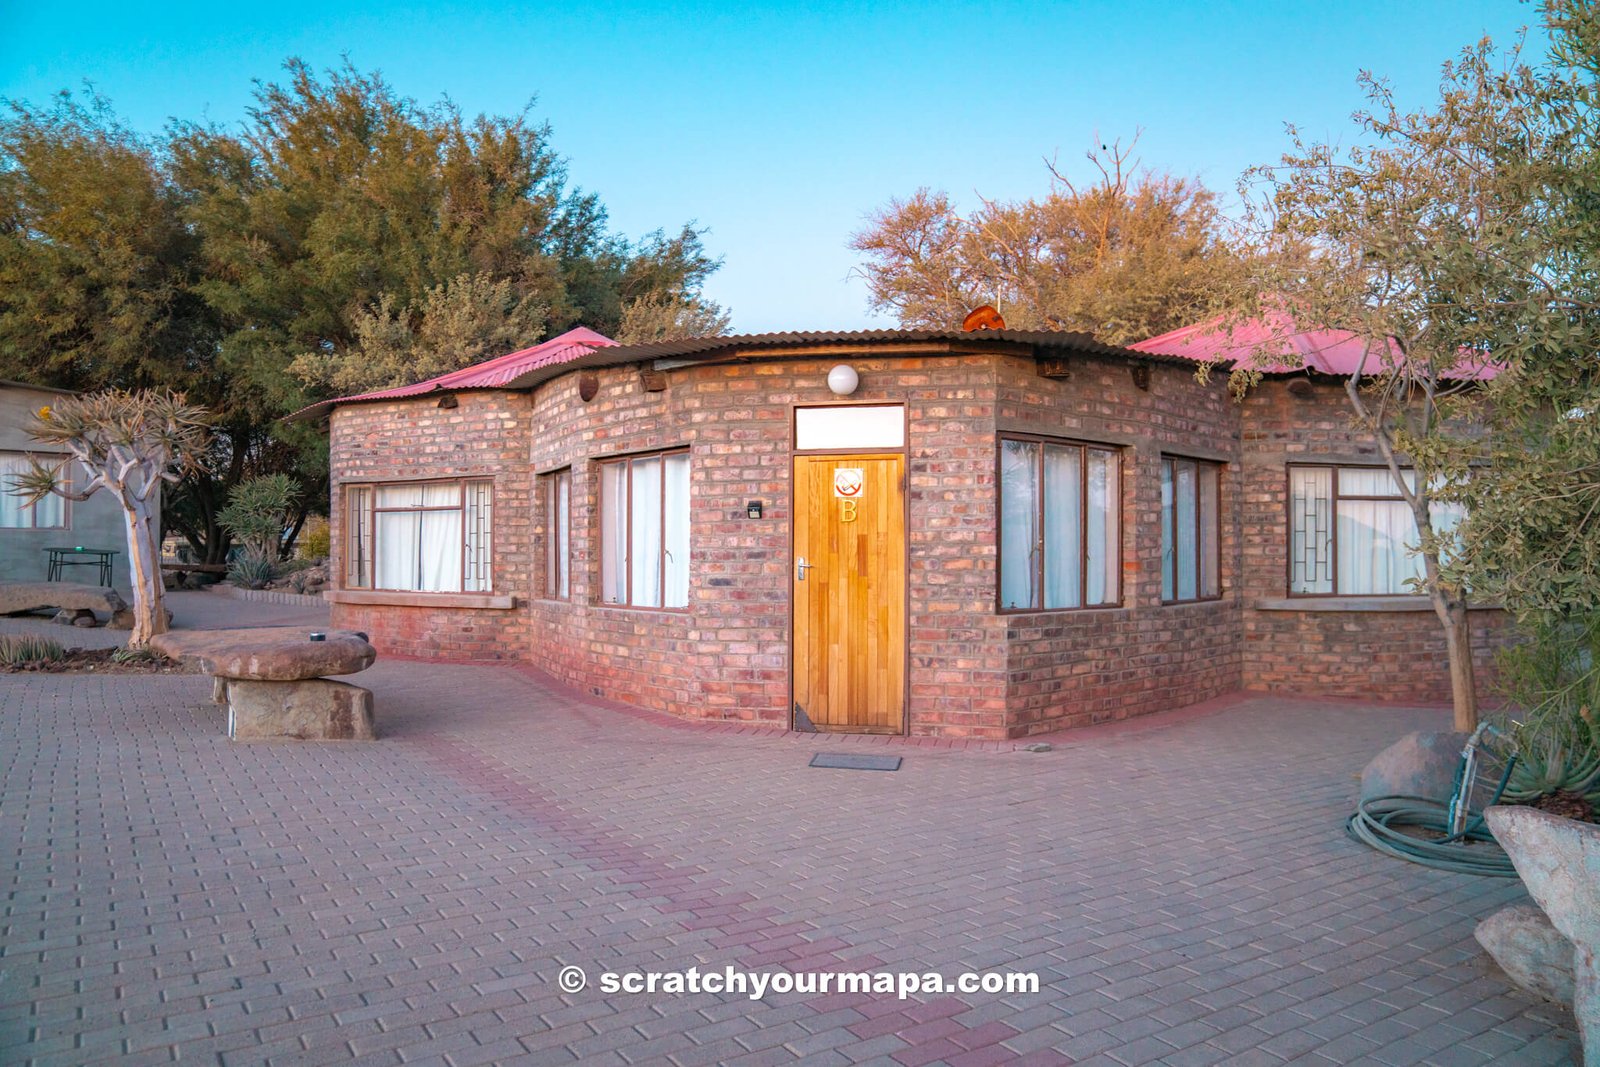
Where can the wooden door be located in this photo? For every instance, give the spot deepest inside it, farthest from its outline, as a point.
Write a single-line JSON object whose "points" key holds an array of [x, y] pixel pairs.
{"points": [[848, 577]]}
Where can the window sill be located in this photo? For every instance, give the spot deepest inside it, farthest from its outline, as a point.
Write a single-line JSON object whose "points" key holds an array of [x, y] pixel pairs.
{"points": [[1397, 603], [407, 599]]}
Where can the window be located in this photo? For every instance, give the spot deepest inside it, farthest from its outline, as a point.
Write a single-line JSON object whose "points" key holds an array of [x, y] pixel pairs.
{"points": [[558, 534], [49, 513], [1190, 531], [859, 426], [644, 531], [1060, 543], [425, 537], [1352, 534]]}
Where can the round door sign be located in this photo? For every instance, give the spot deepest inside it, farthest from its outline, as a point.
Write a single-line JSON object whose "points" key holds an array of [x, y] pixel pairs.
{"points": [[847, 482]]}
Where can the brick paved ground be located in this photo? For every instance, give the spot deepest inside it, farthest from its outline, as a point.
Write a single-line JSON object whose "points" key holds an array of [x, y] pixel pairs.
{"points": [[1182, 889]]}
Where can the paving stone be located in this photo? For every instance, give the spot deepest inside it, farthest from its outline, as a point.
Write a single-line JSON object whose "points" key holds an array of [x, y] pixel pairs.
{"points": [[414, 900]]}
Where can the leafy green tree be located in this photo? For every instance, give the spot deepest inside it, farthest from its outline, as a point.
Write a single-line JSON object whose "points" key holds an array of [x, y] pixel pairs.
{"points": [[341, 236], [1132, 255], [1444, 238]]}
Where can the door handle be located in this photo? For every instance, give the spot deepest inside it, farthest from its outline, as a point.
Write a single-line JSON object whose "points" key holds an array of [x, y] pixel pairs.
{"points": [[800, 568]]}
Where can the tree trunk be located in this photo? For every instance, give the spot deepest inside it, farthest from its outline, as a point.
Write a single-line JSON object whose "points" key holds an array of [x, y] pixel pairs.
{"points": [[144, 567], [1458, 648]]}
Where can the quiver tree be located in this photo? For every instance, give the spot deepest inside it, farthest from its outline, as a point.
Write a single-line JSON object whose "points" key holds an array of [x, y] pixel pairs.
{"points": [[129, 443]]}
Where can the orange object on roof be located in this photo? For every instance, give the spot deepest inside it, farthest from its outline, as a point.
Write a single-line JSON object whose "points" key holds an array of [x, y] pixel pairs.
{"points": [[983, 318]]}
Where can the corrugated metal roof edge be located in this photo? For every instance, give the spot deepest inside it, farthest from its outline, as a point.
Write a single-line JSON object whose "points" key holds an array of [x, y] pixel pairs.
{"points": [[753, 343]]}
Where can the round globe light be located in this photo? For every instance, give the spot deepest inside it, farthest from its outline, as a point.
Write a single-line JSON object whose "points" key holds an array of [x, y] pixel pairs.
{"points": [[843, 380]]}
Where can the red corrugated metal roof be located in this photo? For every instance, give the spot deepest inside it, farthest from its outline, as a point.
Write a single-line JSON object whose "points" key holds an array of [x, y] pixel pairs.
{"points": [[584, 348], [490, 374], [1275, 344]]}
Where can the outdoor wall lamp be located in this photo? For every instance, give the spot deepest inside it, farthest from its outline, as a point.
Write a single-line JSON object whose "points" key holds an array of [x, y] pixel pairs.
{"points": [[753, 509], [843, 380]]}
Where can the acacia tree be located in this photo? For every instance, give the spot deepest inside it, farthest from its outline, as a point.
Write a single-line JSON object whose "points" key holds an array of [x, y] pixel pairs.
{"points": [[130, 443], [1129, 256], [1427, 239]]}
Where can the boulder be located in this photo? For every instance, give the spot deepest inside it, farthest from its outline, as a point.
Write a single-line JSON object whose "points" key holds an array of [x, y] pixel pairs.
{"points": [[313, 710], [1417, 765], [1559, 862], [1532, 952], [19, 597], [268, 654], [123, 619], [85, 620]]}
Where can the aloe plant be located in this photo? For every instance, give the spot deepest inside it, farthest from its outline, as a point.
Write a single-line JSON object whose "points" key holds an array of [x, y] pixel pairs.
{"points": [[19, 649]]}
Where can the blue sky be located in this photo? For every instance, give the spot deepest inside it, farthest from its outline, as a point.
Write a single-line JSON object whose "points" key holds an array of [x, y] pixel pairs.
{"points": [[780, 127]]}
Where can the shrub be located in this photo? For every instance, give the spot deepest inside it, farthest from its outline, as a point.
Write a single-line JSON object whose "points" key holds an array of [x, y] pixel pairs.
{"points": [[1554, 677], [315, 540], [19, 649], [251, 570]]}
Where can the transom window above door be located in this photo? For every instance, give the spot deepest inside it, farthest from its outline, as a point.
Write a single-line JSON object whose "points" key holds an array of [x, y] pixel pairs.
{"points": [[846, 427]]}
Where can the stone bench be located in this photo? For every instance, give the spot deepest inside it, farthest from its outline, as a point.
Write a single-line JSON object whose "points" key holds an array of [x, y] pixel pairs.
{"points": [[275, 681], [17, 598]]}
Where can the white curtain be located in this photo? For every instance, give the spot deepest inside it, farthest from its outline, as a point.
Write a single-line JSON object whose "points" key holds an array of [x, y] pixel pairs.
{"points": [[419, 550], [1019, 513], [1063, 527], [645, 552], [563, 535], [1185, 503], [50, 512], [1310, 529], [677, 531], [614, 535], [1375, 541], [1210, 532], [397, 535], [1105, 541]]}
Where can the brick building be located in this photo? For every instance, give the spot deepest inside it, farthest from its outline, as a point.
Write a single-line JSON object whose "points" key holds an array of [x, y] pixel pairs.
{"points": [[983, 534]]}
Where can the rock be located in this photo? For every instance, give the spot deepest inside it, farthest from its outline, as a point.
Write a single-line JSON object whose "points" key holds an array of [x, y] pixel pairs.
{"points": [[123, 619], [86, 620], [1532, 952], [19, 597], [1417, 765], [1559, 861], [219, 690], [276, 654], [314, 710]]}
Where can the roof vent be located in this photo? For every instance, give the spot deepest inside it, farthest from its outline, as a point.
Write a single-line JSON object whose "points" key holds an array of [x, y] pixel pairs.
{"points": [[983, 318]]}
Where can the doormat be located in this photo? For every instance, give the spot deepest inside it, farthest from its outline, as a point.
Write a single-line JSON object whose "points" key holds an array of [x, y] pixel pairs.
{"points": [[849, 761]]}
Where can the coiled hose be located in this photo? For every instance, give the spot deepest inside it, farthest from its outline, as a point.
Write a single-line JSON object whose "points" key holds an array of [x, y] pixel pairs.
{"points": [[1474, 850]]}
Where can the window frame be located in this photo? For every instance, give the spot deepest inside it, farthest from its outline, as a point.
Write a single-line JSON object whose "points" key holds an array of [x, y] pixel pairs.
{"points": [[371, 543], [558, 565], [1169, 461], [62, 459], [597, 597], [1118, 451], [1333, 529]]}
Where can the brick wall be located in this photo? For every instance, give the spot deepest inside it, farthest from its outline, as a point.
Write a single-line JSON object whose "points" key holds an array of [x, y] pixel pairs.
{"points": [[1383, 655], [485, 436], [1078, 667], [972, 671], [727, 656]]}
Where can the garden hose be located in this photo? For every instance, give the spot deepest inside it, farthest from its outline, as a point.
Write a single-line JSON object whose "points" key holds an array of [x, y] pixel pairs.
{"points": [[1472, 851]]}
